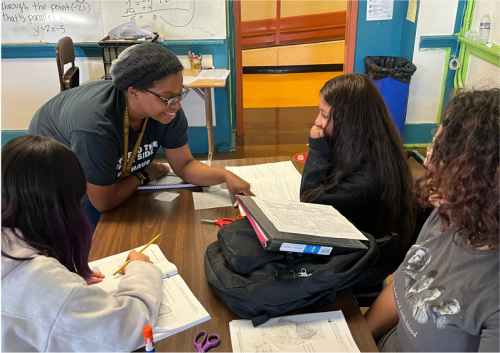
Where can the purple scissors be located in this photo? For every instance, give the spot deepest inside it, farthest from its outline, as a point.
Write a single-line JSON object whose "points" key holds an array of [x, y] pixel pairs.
{"points": [[205, 343]]}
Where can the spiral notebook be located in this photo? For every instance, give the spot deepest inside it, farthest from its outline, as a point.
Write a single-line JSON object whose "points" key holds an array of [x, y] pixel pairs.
{"points": [[169, 181]]}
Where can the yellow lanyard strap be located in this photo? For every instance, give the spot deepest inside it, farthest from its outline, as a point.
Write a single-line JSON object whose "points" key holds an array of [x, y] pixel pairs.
{"points": [[127, 163]]}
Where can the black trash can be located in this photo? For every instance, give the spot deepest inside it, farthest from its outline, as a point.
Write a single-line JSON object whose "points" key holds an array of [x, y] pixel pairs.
{"points": [[392, 75]]}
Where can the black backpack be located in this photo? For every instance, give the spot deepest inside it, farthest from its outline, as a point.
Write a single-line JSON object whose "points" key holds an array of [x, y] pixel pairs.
{"points": [[258, 284]]}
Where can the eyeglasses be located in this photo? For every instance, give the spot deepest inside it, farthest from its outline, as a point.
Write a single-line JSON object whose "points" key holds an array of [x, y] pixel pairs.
{"points": [[172, 100]]}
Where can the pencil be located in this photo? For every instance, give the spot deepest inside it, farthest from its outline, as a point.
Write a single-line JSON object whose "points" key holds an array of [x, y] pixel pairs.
{"points": [[143, 248]]}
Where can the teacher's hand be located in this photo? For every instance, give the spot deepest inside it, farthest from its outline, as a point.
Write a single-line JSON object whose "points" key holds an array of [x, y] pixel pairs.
{"points": [[237, 186], [317, 132], [156, 170]]}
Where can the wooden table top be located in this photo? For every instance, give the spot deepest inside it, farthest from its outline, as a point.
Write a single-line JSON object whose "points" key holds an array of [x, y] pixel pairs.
{"points": [[184, 241], [202, 83]]}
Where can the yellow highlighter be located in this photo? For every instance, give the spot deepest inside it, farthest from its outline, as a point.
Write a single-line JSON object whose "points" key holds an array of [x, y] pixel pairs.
{"points": [[140, 251]]}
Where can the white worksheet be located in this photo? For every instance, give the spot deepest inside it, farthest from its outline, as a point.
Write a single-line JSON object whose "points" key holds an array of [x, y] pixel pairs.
{"points": [[211, 199], [179, 308], [266, 172], [112, 263], [167, 196], [281, 189], [186, 80], [320, 332], [217, 74], [308, 218], [280, 180]]}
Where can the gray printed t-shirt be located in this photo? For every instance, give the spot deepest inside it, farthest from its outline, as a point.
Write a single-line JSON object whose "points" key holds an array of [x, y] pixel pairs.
{"points": [[89, 120], [447, 296]]}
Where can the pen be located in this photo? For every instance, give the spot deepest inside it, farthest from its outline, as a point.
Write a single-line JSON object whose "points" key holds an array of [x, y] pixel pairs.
{"points": [[140, 251], [208, 67]]}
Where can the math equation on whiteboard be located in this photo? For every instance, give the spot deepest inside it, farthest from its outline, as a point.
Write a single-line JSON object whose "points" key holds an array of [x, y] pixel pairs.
{"points": [[45, 16], [172, 12]]}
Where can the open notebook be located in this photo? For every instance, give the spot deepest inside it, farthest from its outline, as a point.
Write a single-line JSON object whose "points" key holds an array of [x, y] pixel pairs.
{"points": [[179, 308]]}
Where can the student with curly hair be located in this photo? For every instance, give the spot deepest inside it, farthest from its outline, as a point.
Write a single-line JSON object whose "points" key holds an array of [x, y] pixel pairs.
{"points": [[356, 163], [460, 313]]}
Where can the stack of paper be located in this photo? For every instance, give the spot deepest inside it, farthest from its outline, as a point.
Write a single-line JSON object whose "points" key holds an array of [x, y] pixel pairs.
{"points": [[320, 332], [279, 181], [179, 308]]}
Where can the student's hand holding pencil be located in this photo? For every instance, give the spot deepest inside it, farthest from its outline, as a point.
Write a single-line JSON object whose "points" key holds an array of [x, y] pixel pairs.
{"points": [[135, 256]]}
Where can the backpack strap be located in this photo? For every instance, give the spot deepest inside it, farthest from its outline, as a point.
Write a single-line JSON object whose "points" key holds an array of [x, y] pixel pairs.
{"points": [[325, 300], [311, 308], [382, 241], [259, 320], [287, 273]]}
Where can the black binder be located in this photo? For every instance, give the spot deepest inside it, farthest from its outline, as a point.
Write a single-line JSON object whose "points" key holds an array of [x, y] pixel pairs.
{"points": [[308, 243]]}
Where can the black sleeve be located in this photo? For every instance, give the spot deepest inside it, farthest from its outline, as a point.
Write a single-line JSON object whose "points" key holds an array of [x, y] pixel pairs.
{"points": [[316, 164], [175, 134], [98, 156], [351, 196]]}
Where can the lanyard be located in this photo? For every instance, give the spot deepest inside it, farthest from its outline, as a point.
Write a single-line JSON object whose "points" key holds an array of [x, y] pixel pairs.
{"points": [[127, 164]]}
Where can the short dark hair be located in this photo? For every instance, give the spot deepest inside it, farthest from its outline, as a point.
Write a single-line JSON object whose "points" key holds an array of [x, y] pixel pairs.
{"points": [[42, 186], [463, 168]]}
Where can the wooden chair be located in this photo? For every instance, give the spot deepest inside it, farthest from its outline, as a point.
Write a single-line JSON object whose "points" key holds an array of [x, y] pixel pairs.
{"points": [[65, 54]]}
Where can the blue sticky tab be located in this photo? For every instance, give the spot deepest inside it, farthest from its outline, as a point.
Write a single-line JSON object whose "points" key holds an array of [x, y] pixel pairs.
{"points": [[312, 249]]}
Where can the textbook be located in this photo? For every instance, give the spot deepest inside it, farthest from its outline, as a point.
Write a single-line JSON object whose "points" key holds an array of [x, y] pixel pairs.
{"points": [[301, 227], [179, 309]]}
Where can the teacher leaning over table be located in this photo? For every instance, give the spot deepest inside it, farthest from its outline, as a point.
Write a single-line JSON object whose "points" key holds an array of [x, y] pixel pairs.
{"points": [[138, 111]]}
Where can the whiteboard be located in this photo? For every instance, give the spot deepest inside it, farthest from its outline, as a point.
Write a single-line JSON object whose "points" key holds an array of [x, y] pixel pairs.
{"points": [[491, 7], [172, 19], [91, 20], [49, 21]]}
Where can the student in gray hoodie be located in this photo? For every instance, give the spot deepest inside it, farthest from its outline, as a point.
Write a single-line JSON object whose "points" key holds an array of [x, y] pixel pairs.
{"points": [[48, 302]]}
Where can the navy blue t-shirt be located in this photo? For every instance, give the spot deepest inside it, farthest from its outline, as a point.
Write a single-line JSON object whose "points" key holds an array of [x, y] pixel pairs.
{"points": [[89, 120]]}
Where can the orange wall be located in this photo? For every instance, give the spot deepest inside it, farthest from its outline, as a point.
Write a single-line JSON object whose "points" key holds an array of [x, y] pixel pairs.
{"points": [[252, 10]]}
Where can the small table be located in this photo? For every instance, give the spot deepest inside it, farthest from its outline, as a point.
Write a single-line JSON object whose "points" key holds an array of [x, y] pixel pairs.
{"points": [[184, 241], [204, 89]]}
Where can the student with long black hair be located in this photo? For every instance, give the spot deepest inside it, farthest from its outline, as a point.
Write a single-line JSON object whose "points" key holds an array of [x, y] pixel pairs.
{"points": [[356, 163], [48, 303], [458, 310]]}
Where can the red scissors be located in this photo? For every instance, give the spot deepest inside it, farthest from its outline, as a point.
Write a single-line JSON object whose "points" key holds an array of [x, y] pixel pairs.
{"points": [[220, 222]]}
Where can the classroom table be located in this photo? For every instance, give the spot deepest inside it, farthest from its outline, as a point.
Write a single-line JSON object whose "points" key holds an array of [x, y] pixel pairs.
{"points": [[184, 240], [204, 89]]}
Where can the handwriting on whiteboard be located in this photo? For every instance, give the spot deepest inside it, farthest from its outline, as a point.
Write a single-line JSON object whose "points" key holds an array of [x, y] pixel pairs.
{"points": [[172, 12], [48, 17]]}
